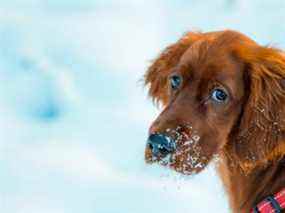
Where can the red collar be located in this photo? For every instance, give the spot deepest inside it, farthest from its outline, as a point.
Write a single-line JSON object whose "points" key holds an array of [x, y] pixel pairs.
{"points": [[271, 204]]}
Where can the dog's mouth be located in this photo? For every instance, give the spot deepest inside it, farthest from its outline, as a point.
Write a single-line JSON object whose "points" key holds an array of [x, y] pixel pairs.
{"points": [[184, 156]]}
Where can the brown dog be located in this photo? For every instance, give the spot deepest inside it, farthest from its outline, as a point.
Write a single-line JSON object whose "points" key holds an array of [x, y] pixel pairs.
{"points": [[223, 97]]}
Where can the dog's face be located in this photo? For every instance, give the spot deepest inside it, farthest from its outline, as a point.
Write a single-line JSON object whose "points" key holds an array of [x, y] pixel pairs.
{"points": [[205, 93], [204, 87]]}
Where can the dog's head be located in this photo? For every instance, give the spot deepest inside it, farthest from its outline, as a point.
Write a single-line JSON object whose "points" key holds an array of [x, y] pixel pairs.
{"points": [[220, 91]]}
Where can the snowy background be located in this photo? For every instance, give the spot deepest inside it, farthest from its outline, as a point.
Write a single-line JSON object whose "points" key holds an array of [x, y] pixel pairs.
{"points": [[74, 114]]}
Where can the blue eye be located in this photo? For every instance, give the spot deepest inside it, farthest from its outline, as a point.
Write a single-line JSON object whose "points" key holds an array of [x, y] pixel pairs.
{"points": [[219, 95], [175, 81]]}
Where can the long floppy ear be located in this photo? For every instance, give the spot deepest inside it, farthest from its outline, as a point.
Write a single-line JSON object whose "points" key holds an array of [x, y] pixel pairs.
{"points": [[260, 136], [157, 74]]}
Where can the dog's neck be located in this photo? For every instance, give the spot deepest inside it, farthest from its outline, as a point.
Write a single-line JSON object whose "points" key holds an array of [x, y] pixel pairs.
{"points": [[247, 190]]}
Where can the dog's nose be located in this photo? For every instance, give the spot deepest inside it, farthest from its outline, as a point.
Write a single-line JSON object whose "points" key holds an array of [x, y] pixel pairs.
{"points": [[160, 145]]}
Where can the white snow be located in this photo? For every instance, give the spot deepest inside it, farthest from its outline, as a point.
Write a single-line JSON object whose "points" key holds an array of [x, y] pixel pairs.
{"points": [[74, 114]]}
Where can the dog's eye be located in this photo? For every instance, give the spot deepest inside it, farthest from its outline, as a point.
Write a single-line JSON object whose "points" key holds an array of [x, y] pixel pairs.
{"points": [[175, 81], [219, 95]]}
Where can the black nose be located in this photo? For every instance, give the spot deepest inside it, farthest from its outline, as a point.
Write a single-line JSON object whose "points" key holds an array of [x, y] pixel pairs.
{"points": [[160, 145]]}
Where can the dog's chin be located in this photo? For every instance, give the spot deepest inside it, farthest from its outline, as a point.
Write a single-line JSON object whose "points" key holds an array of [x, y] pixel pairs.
{"points": [[187, 168], [178, 163]]}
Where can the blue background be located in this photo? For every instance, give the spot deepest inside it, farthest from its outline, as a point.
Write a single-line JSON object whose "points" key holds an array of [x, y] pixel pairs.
{"points": [[74, 114]]}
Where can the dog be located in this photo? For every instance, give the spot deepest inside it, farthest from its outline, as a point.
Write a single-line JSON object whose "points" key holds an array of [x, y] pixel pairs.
{"points": [[223, 98]]}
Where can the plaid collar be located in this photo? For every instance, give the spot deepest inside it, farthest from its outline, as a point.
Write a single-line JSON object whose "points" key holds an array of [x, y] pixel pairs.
{"points": [[271, 204]]}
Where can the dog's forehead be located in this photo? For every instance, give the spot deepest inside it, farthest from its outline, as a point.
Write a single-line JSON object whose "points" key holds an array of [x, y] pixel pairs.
{"points": [[195, 53], [204, 58], [218, 65], [213, 46]]}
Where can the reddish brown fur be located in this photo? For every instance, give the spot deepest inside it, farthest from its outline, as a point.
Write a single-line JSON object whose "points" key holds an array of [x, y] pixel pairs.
{"points": [[248, 132]]}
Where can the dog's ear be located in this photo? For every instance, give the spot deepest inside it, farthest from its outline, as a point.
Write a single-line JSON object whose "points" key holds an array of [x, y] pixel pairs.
{"points": [[157, 74], [260, 134]]}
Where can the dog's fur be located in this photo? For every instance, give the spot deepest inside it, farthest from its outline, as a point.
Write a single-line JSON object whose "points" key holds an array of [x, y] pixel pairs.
{"points": [[247, 133]]}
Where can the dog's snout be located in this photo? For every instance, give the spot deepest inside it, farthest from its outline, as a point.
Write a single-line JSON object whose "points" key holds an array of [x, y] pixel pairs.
{"points": [[160, 145]]}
